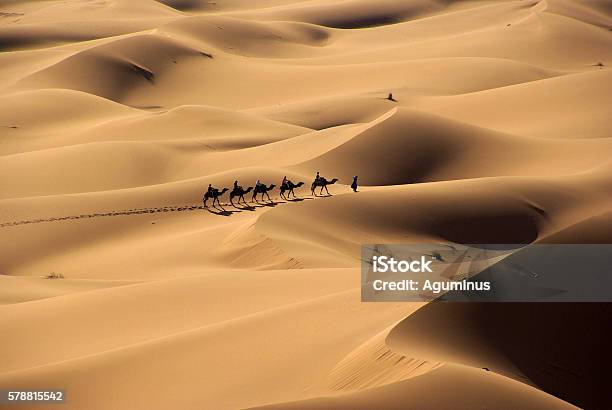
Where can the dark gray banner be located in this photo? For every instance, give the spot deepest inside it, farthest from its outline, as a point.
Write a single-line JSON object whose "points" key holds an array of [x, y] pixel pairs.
{"points": [[486, 273], [17, 396]]}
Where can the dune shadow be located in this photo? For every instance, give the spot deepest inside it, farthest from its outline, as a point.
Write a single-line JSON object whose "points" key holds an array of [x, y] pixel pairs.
{"points": [[375, 20], [147, 107]]}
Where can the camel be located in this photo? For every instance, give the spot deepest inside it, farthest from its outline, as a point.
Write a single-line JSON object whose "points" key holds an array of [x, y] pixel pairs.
{"points": [[240, 193], [323, 183], [289, 186], [263, 190], [215, 194]]}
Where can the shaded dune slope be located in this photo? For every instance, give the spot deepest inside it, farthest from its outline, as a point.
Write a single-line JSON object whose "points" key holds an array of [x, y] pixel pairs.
{"points": [[493, 335]]}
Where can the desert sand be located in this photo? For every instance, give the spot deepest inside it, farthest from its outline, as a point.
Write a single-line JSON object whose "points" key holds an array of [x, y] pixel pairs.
{"points": [[116, 115]]}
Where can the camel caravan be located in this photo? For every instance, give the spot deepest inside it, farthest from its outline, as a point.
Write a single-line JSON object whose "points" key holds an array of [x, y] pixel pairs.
{"points": [[286, 191]]}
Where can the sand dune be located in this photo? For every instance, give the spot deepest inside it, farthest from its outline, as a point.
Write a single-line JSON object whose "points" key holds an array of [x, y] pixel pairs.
{"points": [[572, 377], [85, 118], [249, 38], [556, 102], [418, 147], [112, 70], [116, 115]]}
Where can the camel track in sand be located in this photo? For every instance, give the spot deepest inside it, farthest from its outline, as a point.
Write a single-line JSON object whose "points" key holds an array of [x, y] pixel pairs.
{"points": [[136, 211], [151, 210]]}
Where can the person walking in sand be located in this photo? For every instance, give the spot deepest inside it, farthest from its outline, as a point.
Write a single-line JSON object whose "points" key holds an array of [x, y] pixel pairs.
{"points": [[354, 184]]}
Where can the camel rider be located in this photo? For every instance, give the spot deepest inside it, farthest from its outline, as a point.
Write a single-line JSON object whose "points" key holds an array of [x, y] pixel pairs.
{"points": [[211, 190], [236, 186], [284, 183], [317, 178], [257, 185]]}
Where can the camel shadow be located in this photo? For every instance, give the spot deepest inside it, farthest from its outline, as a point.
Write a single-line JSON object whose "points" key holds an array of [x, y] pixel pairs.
{"points": [[263, 204], [246, 208], [220, 212], [298, 199]]}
